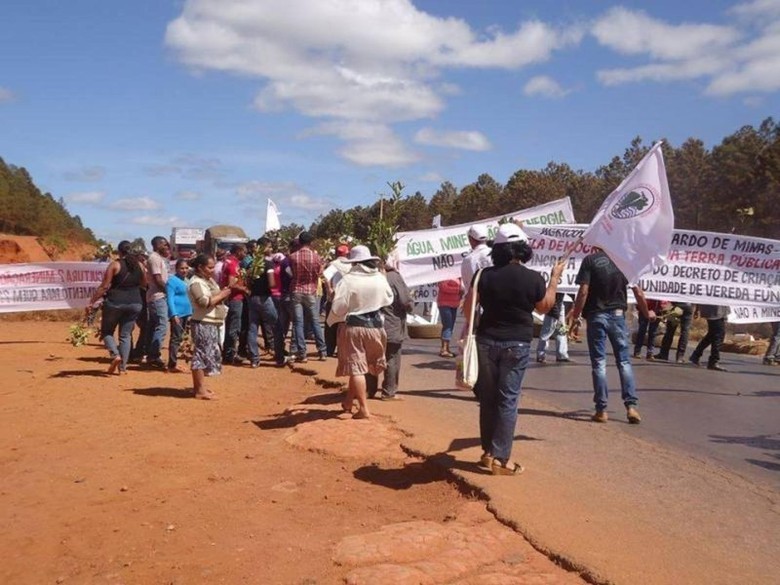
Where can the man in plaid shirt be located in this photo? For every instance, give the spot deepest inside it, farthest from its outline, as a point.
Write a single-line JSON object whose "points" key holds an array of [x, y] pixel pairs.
{"points": [[306, 267]]}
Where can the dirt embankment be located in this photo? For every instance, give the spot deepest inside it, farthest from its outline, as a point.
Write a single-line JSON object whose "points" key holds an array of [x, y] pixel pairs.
{"points": [[23, 249]]}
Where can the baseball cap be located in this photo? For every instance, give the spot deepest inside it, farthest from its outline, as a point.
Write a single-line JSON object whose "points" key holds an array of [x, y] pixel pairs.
{"points": [[342, 250], [478, 232], [510, 232]]}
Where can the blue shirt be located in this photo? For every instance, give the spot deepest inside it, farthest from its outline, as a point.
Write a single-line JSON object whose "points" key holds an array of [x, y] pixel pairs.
{"points": [[178, 299]]}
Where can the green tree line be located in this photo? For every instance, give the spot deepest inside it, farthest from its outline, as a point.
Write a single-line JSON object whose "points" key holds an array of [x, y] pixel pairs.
{"points": [[735, 186], [25, 211]]}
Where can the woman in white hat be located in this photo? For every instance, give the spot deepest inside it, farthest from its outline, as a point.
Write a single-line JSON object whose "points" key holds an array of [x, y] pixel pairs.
{"points": [[357, 300], [508, 292]]}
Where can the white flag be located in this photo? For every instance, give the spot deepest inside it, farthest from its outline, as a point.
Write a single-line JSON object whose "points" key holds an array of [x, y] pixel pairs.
{"points": [[634, 224], [272, 217], [436, 221]]}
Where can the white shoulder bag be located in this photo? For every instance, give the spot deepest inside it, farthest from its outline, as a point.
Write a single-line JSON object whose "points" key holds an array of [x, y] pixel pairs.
{"points": [[467, 366]]}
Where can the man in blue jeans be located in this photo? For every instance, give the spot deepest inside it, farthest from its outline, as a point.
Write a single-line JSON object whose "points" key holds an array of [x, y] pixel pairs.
{"points": [[601, 298], [306, 268], [156, 299]]}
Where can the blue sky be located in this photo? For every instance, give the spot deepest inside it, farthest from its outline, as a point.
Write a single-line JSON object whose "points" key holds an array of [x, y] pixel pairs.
{"points": [[151, 114]]}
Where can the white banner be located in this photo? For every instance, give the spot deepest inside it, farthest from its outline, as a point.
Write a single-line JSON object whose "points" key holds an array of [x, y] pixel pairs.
{"points": [[49, 285], [433, 255], [702, 267]]}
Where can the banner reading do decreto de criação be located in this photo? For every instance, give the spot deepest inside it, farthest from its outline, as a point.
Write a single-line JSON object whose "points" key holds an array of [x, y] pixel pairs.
{"points": [[48, 285], [702, 267]]}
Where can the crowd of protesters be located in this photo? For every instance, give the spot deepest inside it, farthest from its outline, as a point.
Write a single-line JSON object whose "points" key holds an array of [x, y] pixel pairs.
{"points": [[243, 304]]}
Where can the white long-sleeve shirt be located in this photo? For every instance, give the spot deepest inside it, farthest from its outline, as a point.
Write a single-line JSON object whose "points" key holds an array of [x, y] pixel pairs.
{"points": [[361, 290]]}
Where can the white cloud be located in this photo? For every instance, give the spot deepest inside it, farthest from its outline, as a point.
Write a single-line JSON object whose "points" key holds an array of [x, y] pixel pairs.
{"points": [[188, 196], [757, 9], [156, 220], [743, 57], [367, 143], [431, 177], [135, 204], [349, 61], [188, 166], [162, 170], [286, 195], [86, 174], [544, 86], [91, 198], [6, 95], [635, 33], [467, 140], [308, 203]]}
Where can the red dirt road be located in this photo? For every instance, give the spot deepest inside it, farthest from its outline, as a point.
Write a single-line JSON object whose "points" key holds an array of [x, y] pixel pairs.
{"points": [[126, 480]]}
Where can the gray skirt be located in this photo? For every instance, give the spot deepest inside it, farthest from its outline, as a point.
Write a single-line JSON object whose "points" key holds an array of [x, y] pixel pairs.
{"points": [[206, 354]]}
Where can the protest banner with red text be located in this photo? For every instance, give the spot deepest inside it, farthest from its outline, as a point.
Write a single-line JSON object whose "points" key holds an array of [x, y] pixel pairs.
{"points": [[48, 286], [702, 267]]}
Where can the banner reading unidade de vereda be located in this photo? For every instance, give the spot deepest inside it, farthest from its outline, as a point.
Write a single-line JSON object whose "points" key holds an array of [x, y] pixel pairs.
{"points": [[702, 267]]}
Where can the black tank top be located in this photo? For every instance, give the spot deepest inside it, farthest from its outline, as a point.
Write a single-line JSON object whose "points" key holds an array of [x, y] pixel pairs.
{"points": [[125, 286]]}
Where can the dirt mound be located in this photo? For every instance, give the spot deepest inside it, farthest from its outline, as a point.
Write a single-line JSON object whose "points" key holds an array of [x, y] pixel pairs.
{"points": [[22, 249]]}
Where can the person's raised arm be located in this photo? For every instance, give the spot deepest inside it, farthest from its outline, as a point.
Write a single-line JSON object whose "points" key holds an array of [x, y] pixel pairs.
{"points": [[548, 301]]}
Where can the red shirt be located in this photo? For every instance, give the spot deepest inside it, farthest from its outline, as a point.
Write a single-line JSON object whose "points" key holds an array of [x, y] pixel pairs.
{"points": [[449, 293], [231, 268], [306, 267]]}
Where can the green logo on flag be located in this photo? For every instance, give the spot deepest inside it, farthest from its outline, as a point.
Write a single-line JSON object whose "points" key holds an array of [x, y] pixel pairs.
{"points": [[634, 203]]}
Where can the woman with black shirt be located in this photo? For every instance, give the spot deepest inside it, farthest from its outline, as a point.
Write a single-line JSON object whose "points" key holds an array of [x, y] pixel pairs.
{"points": [[507, 292], [121, 287]]}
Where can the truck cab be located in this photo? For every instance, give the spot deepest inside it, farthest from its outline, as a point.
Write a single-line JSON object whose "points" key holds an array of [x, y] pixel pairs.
{"points": [[221, 237], [184, 241]]}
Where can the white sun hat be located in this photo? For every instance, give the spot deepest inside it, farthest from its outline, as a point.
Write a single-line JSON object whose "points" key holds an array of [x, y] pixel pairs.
{"points": [[360, 254]]}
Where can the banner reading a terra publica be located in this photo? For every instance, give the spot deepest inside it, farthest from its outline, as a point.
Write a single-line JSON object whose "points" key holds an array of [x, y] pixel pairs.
{"points": [[702, 267], [48, 285], [432, 255]]}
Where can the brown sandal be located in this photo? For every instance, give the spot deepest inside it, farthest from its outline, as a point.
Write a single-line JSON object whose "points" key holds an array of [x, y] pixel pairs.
{"points": [[115, 363], [498, 467]]}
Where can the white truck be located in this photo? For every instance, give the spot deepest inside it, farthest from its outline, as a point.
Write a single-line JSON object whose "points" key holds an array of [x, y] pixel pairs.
{"points": [[184, 241]]}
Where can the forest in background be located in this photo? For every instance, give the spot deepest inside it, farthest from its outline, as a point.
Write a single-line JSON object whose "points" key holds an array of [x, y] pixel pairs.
{"points": [[25, 211], [735, 186]]}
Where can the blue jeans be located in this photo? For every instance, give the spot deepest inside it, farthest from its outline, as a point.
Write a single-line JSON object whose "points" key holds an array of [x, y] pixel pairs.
{"points": [[448, 315], [549, 327], [158, 324], [502, 365], [602, 326], [124, 316], [232, 329], [307, 308], [262, 313], [646, 330], [177, 336]]}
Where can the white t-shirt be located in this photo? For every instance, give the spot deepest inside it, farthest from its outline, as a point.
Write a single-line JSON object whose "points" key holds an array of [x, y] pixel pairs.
{"points": [[478, 258]]}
